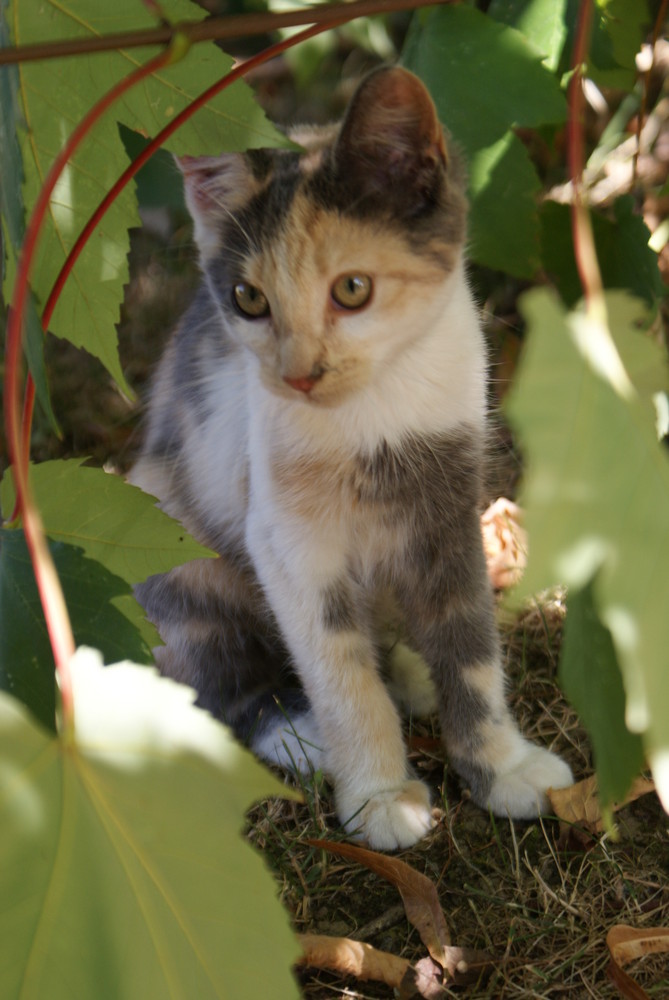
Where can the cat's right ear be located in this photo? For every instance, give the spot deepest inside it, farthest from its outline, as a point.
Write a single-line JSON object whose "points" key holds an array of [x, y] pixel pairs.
{"points": [[214, 186]]}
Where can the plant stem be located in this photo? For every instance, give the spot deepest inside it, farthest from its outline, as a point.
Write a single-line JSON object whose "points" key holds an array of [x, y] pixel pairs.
{"points": [[220, 28]]}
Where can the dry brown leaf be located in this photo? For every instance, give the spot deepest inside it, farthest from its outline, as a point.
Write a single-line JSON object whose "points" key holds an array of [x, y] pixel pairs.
{"points": [[422, 907], [628, 943], [504, 542], [352, 958], [579, 804]]}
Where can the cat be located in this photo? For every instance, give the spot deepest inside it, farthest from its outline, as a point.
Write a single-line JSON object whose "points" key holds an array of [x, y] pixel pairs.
{"points": [[319, 420]]}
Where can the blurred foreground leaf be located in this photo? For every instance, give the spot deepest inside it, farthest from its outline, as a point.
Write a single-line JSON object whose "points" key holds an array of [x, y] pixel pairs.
{"points": [[597, 501], [122, 868]]}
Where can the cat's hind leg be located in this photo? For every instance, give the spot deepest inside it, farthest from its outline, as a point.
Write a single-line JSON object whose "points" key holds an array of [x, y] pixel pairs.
{"points": [[285, 733]]}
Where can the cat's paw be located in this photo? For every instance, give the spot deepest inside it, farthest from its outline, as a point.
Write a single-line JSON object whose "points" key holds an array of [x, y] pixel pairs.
{"points": [[410, 683], [395, 817], [520, 792]]}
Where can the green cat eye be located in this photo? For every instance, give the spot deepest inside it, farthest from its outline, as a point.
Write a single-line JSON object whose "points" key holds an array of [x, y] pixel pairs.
{"points": [[250, 300], [352, 291]]}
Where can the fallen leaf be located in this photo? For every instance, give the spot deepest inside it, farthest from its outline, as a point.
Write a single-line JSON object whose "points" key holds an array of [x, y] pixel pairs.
{"points": [[628, 943], [578, 805], [504, 542], [423, 910], [352, 958]]}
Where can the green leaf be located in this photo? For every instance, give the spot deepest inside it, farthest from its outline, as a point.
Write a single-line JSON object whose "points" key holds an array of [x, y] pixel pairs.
{"points": [[597, 497], [12, 230], [590, 677], [101, 606], [122, 869], [89, 306], [621, 241], [110, 521], [486, 78], [501, 177], [619, 27], [543, 22]]}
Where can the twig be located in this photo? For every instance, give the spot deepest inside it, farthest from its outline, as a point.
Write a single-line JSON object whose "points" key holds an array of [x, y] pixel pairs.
{"points": [[219, 28]]}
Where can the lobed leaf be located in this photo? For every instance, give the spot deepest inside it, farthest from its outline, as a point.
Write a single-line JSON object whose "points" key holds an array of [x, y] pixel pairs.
{"points": [[55, 94], [122, 869], [111, 521]]}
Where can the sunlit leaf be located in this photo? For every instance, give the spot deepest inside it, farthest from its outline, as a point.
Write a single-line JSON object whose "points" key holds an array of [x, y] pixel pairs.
{"points": [[597, 500], [110, 521], [543, 22], [122, 868]]}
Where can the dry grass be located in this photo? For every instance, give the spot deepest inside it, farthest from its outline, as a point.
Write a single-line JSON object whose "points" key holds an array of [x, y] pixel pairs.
{"points": [[540, 907]]}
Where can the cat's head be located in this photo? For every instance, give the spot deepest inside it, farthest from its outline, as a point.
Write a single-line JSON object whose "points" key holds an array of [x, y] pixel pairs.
{"points": [[328, 263]]}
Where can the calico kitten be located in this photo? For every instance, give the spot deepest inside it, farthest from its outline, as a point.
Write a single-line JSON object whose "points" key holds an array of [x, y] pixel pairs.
{"points": [[319, 420]]}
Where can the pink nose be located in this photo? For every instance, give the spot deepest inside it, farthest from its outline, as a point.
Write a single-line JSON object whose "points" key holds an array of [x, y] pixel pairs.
{"points": [[304, 384]]}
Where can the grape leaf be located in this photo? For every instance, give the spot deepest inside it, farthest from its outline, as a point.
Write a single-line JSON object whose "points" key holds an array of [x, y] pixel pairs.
{"points": [[122, 869], [55, 94], [486, 78], [110, 521], [597, 498]]}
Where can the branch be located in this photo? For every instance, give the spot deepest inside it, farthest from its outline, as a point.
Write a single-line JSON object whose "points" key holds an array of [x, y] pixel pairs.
{"points": [[219, 28]]}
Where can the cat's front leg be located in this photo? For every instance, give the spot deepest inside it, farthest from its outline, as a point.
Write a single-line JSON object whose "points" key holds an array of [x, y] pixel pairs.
{"points": [[323, 622], [452, 617]]}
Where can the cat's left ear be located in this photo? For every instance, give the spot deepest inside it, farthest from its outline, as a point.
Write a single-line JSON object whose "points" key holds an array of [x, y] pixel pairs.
{"points": [[214, 186], [391, 138]]}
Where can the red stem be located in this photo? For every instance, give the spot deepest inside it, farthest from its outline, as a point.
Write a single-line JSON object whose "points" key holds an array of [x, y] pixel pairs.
{"points": [[55, 612], [582, 234]]}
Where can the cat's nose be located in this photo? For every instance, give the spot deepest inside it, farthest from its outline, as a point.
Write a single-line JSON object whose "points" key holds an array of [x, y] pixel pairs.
{"points": [[305, 383]]}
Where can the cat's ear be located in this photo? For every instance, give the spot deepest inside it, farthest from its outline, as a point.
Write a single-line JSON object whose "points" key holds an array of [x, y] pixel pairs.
{"points": [[214, 186], [391, 138]]}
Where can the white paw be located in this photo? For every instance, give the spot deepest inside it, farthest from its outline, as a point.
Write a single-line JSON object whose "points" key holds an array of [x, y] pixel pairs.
{"points": [[396, 817], [410, 683], [520, 792]]}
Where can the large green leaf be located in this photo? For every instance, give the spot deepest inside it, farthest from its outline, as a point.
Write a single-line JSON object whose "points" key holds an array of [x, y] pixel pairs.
{"points": [[486, 77], [55, 95], [597, 493], [110, 521], [590, 677], [122, 868]]}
